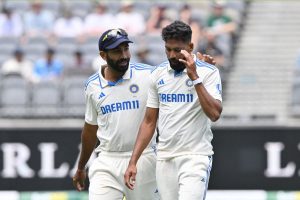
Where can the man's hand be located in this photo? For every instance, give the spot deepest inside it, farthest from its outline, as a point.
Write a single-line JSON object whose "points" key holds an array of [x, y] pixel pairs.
{"points": [[190, 65], [78, 179], [206, 58], [129, 176]]}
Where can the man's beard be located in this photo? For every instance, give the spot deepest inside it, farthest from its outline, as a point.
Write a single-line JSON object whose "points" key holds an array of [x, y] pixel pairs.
{"points": [[176, 65], [119, 65]]}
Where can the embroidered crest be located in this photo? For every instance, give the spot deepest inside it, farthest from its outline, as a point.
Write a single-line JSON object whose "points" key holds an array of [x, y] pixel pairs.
{"points": [[134, 88]]}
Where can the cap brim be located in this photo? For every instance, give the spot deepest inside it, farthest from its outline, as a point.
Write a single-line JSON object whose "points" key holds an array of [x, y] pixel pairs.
{"points": [[117, 43]]}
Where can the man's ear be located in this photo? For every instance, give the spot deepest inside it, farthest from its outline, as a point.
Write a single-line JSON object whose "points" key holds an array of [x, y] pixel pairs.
{"points": [[103, 55], [191, 47]]}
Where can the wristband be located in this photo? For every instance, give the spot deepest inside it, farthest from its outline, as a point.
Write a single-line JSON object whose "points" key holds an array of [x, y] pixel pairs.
{"points": [[197, 81]]}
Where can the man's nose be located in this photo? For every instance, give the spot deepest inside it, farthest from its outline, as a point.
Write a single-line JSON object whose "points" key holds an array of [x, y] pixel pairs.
{"points": [[124, 54], [172, 54]]}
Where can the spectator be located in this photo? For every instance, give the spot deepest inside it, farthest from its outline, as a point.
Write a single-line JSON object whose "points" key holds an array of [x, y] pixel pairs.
{"points": [[220, 28], [78, 66], [130, 20], [68, 25], [98, 21], [165, 22], [18, 65], [185, 15], [157, 16], [10, 24], [38, 22], [48, 68], [198, 33]]}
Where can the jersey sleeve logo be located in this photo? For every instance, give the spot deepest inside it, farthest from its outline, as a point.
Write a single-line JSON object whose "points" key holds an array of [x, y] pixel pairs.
{"points": [[134, 88], [161, 82], [101, 95]]}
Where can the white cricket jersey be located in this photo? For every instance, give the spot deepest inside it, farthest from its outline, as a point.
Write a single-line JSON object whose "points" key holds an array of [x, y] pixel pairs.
{"points": [[183, 126], [118, 108]]}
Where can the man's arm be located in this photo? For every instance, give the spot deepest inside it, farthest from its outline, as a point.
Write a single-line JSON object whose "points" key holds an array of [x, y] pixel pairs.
{"points": [[211, 107], [145, 134], [88, 143]]}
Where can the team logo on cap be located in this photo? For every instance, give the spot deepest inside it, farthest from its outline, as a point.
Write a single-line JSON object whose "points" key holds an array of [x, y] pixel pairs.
{"points": [[134, 88], [189, 82]]}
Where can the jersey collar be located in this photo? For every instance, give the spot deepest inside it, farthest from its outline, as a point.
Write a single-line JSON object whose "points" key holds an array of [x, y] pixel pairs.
{"points": [[104, 82]]}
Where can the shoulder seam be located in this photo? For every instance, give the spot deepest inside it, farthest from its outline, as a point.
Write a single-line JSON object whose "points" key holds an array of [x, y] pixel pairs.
{"points": [[163, 64], [92, 78], [200, 63], [160, 66], [140, 66]]}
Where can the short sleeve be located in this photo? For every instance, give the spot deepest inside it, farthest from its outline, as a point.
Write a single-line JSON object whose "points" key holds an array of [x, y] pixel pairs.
{"points": [[213, 85], [90, 109], [153, 101]]}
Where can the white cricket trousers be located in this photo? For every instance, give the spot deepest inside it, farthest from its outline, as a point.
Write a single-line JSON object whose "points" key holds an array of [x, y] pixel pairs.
{"points": [[106, 176], [183, 177]]}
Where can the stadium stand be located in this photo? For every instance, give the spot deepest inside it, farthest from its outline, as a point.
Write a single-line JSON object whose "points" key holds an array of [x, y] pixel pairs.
{"points": [[247, 88], [259, 85]]}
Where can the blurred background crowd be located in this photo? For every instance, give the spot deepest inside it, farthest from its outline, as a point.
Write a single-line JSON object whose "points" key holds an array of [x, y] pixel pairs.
{"points": [[48, 48]]}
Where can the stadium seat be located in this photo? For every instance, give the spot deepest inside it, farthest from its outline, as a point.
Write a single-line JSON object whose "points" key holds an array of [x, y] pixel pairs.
{"points": [[9, 40], [34, 51], [295, 107], [73, 72], [7, 49], [296, 92], [46, 100], [65, 48], [73, 96], [32, 41], [66, 40], [13, 81], [91, 41], [14, 98]]}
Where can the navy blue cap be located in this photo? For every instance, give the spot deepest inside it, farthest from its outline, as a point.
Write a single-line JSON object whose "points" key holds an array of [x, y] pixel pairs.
{"points": [[112, 38]]}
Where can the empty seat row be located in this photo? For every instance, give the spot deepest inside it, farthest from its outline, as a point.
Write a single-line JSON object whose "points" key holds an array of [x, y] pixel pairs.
{"points": [[46, 99]]}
